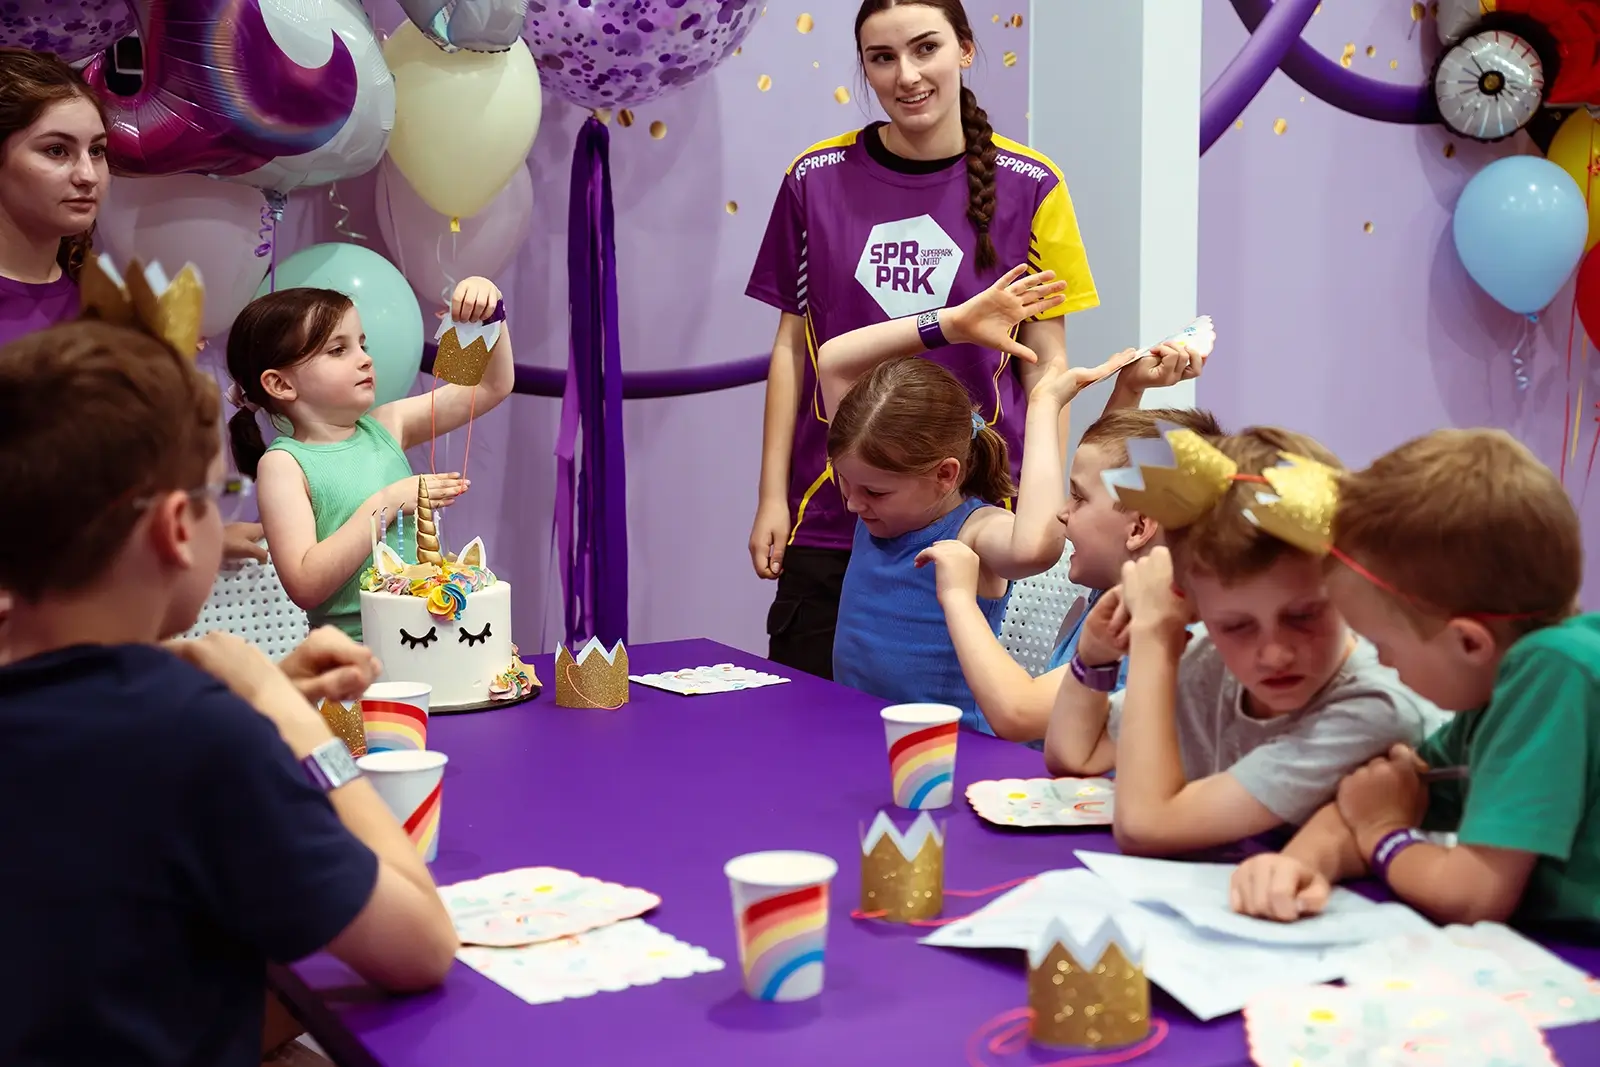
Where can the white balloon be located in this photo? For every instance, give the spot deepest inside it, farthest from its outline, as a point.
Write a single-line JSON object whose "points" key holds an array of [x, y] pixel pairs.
{"points": [[304, 29]]}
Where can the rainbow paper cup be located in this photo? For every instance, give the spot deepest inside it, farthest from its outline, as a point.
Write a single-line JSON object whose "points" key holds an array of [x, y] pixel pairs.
{"points": [[396, 716], [922, 753], [410, 782], [780, 912]]}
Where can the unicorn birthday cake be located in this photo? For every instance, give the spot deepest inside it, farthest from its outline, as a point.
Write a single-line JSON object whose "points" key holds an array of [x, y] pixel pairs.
{"points": [[444, 620]]}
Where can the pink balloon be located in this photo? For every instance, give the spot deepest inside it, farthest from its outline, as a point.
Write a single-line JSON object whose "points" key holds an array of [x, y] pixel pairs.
{"points": [[186, 218], [431, 257]]}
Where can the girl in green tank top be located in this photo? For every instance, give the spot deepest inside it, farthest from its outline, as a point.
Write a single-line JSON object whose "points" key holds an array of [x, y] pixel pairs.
{"points": [[337, 469]]}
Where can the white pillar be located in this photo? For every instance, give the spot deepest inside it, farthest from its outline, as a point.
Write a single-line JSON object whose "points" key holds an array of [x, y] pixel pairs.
{"points": [[1114, 98]]}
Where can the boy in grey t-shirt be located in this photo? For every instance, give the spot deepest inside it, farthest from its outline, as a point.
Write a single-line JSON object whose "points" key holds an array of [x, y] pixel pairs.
{"points": [[1253, 724]]}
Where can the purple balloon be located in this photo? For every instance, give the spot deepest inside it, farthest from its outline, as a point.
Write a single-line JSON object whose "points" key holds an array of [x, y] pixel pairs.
{"points": [[72, 31], [622, 53]]}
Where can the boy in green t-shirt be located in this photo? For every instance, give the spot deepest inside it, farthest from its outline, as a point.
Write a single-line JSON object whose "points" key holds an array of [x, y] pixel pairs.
{"points": [[1458, 555]]}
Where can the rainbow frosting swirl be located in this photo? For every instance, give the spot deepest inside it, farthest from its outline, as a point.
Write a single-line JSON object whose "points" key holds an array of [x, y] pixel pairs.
{"points": [[445, 589]]}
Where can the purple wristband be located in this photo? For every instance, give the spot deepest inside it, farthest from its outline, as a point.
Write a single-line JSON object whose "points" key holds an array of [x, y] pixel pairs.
{"points": [[929, 330], [1101, 679], [498, 314], [1391, 845]]}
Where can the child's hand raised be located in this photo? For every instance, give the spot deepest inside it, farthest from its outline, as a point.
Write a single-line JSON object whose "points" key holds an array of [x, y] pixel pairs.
{"points": [[956, 570], [443, 490], [474, 300], [1059, 383], [1166, 364], [988, 318]]}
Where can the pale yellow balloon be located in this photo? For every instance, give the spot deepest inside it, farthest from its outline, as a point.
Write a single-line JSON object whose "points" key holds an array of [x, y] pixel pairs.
{"points": [[464, 121], [1576, 150]]}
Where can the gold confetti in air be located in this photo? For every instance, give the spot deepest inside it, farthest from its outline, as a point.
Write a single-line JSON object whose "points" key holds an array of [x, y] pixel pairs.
{"points": [[1394, 64], [1418, 12], [1372, 50], [1015, 22], [739, 51], [815, 65], [732, 207], [1009, 59], [1449, 151], [658, 129], [1349, 54], [625, 117], [1238, 124], [764, 83], [995, 18], [1366, 227], [804, 23], [1279, 126], [842, 95], [1317, 10]]}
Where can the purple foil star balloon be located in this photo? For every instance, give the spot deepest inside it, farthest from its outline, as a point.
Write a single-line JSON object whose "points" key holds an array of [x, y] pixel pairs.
{"points": [[622, 53], [72, 31]]}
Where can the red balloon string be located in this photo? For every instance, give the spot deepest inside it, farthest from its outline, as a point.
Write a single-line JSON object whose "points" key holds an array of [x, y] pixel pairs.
{"points": [[1010, 1032], [1589, 473], [985, 892]]}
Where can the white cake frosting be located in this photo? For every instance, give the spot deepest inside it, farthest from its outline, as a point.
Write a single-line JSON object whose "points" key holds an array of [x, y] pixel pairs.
{"points": [[451, 629]]}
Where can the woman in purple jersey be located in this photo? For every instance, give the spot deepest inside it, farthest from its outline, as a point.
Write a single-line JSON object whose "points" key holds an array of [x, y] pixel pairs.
{"points": [[53, 176], [900, 218]]}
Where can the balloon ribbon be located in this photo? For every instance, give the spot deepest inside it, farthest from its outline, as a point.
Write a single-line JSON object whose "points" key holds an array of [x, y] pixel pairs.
{"points": [[591, 529]]}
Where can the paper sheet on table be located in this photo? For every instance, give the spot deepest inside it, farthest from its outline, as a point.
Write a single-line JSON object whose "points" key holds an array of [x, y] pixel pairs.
{"points": [[1487, 958], [1198, 892], [613, 958], [534, 904], [1210, 974], [698, 681]]}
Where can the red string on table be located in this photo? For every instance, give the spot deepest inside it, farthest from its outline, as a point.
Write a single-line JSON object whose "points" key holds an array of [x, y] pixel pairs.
{"points": [[985, 892], [586, 696], [1010, 1032]]}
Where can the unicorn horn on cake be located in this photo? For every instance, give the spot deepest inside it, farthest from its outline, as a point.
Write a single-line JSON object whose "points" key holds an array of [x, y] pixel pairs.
{"points": [[427, 531]]}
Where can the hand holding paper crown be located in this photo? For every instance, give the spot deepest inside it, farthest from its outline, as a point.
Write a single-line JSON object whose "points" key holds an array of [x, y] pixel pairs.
{"points": [[1179, 477], [169, 310]]}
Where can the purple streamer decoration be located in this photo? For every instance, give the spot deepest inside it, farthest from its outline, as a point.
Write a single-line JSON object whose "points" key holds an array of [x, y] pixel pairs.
{"points": [[640, 385], [1269, 43], [264, 235], [591, 519], [1324, 78]]}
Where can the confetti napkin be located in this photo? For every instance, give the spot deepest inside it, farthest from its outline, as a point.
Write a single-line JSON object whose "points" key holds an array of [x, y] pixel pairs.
{"points": [[1043, 801], [606, 960], [535, 904], [698, 681], [1323, 1026]]}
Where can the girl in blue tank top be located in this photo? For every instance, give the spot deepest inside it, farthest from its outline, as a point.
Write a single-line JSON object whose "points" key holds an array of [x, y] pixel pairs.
{"points": [[919, 468]]}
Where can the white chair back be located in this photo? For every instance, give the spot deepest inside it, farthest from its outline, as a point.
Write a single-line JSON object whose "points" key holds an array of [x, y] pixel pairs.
{"points": [[248, 600], [1034, 616]]}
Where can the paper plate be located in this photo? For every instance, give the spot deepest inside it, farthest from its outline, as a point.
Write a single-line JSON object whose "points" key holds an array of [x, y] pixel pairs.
{"points": [[1043, 801]]}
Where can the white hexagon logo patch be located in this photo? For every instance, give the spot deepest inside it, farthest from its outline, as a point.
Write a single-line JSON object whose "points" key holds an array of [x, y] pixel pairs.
{"points": [[909, 266]]}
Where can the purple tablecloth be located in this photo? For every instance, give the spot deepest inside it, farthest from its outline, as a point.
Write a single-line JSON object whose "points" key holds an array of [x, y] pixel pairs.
{"points": [[660, 794]]}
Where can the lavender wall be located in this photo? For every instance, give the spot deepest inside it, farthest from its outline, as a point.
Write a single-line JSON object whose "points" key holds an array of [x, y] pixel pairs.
{"points": [[1363, 339], [691, 209]]}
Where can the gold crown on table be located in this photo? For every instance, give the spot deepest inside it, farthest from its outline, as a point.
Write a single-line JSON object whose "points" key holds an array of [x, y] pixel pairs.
{"points": [[595, 678], [1088, 994], [902, 875], [463, 350], [1180, 476], [170, 310]]}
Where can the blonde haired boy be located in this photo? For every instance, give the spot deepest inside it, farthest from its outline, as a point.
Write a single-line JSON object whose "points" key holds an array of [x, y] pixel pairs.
{"points": [[1459, 556]]}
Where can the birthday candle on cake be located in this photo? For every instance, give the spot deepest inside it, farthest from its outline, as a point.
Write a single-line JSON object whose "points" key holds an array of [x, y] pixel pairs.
{"points": [[427, 533], [372, 523]]}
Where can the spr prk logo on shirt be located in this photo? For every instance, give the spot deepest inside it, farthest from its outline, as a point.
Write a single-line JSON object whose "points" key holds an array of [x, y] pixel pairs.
{"points": [[909, 266]]}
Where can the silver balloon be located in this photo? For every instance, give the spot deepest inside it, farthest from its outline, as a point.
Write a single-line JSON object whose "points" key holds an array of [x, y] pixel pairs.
{"points": [[1454, 19], [1489, 85], [474, 25]]}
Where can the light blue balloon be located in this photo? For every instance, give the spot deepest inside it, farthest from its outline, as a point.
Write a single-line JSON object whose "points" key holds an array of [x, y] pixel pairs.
{"points": [[388, 308], [1520, 227]]}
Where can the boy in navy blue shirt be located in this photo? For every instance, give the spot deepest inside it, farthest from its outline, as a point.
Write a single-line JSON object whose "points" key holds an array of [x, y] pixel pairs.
{"points": [[164, 836]]}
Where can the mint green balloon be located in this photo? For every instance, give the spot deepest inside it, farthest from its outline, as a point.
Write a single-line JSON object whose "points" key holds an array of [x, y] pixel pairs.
{"points": [[388, 308]]}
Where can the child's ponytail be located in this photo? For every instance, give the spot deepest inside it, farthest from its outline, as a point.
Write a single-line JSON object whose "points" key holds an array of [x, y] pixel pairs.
{"points": [[987, 473], [244, 437]]}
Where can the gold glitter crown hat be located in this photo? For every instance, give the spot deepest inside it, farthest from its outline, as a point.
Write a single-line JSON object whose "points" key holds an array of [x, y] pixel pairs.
{"points": [[1175, 478], [596, 677], [1091, 993], [170, 310], [1298, 504], [902, 875]]}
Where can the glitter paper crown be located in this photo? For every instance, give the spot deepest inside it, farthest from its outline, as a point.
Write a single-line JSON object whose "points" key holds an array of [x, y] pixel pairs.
{"points": [[1088, 994], [594, 678], [170, 310], [902, 875], [1180, 476], [463, 350]]}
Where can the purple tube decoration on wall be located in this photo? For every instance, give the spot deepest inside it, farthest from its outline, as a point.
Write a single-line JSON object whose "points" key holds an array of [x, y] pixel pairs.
{"points": [[591, 502]]}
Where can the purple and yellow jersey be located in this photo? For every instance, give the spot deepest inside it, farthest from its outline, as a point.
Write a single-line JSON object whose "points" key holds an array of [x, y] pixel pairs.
{"points": [[852, 242]]}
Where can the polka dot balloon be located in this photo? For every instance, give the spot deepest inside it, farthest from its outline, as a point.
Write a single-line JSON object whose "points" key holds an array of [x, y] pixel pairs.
{"points": [[621, 53], [72, 31]]}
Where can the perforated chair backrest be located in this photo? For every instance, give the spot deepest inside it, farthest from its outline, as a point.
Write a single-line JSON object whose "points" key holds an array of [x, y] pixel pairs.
{"points": [[248, 601], [1033, 618]]}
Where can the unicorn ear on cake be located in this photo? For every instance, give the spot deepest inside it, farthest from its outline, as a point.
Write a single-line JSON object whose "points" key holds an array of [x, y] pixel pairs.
{"points": [[388, 561], [474, 555]]}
